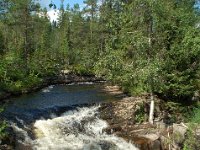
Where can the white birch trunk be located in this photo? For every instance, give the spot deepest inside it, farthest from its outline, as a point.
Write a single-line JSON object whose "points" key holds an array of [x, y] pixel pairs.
{"points": [[151, 112]]}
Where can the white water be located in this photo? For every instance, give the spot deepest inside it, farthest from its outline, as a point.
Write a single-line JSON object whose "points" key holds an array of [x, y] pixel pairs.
{"points": [[47, 89], [80, 129]]}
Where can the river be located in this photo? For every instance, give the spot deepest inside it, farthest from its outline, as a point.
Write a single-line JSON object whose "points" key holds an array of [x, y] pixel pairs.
{"points": [[62, 117]]}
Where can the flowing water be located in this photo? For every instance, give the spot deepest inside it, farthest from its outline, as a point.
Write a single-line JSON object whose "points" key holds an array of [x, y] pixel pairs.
{"points": [[63, 117]]}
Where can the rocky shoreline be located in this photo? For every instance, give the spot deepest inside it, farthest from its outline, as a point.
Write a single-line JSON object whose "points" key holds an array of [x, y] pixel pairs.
{"points": [[127, 118]]}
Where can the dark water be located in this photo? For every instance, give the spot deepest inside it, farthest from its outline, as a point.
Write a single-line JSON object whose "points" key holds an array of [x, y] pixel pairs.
{"points": [[54, 99]]}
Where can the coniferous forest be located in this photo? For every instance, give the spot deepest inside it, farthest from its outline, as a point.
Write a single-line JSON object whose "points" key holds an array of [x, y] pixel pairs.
{"points": [[144, 46]]}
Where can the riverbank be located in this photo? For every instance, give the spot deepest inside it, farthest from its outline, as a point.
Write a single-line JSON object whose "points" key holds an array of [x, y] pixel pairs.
{"points": [[64, 78], [128, 118]]}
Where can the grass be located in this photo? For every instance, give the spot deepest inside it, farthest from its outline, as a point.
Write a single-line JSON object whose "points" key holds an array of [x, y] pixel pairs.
{"points": [[196, 116], [192, 139]]}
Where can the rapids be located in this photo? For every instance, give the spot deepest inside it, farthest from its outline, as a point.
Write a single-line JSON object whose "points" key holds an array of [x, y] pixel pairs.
{"points": [[66, 125]]}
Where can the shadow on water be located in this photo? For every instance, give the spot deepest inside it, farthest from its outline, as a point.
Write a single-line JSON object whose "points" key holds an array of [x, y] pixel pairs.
{"points": [[54, 99]]}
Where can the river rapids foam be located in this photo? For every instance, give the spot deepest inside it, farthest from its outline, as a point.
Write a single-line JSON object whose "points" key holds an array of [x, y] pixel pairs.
{"points": [[79, 129]]}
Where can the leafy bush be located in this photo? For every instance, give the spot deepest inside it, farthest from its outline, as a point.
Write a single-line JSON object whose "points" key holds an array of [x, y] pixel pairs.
{"points": [[31, 80], [12, 86], [82, 70], [21, 85]]}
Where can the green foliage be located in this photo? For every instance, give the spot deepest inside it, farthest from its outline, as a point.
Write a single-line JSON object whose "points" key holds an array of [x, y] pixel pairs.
{"points": [[144, 46], [195, 115], [31, 81], [178, 111], [192, 142], [33, 47], [180, 73], [3, 126], [2, 43], [148, 51], [45, 66], [82, 70], [13, 77], [192, 139], [139, 114], [21, 85]]}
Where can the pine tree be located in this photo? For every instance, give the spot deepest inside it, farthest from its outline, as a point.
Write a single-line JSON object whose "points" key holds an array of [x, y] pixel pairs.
{"points": [[19, 17]]}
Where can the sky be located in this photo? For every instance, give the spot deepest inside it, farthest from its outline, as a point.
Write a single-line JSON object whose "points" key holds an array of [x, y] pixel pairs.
{"points": [[45, 3], [53, 14]]}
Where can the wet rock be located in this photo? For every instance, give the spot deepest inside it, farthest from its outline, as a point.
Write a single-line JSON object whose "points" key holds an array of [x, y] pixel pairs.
{"points": [[156, 145], [105, 145], [149, 142], [141, 142], [5, 147], [114, 128], [20, 146], [102, 145]]}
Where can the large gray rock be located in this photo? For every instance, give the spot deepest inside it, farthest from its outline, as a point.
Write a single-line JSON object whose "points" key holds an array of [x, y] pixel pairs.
{"points": [[179, 132]]}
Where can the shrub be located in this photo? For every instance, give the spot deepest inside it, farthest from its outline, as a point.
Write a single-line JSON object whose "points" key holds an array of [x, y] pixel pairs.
{"points": [[192, 138]]}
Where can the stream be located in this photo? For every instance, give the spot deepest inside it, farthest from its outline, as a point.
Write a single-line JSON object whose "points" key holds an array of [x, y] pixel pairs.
{"points": [[62, 117]]}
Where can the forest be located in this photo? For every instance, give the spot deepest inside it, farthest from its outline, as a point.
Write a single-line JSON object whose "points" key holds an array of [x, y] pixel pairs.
{"points": [[144, 46]]}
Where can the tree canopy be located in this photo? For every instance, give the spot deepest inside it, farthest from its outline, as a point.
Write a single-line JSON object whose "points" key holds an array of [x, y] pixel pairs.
{"points": [[144, 46]]}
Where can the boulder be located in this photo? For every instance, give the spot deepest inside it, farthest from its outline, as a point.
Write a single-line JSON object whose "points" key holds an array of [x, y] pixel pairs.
{"points": [[113, 129], [148, 142], [179, 132], [65, 71]]}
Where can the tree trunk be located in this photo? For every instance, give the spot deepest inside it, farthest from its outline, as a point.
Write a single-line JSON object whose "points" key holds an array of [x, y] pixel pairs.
{"points": [[25, 53], [151, 112]]}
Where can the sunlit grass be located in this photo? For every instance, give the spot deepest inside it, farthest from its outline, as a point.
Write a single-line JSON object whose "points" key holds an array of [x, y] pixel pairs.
{"points": [[196, 116]]}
